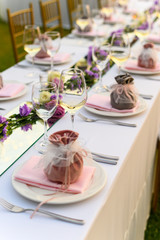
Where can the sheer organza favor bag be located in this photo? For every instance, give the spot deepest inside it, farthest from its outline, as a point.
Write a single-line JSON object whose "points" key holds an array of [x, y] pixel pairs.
{"points": [[63, 160], [124, 94]]}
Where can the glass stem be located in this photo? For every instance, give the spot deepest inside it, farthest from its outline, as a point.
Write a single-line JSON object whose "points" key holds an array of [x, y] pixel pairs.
{"points": [[33, 61], [72, 119], [100, 78], [52, 65], [119, 70], [45, 131]]}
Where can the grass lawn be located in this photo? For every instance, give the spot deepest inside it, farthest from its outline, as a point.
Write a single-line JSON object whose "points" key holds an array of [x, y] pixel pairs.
{"points": [[6, 52], [7, 60]]}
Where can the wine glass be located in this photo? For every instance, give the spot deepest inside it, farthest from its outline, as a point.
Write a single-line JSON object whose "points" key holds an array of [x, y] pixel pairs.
{"points": [[52, 45], [44, 99], [31, 42], [144, 29], [73, 91], [119, 49], [97, 19], [100, 55]]}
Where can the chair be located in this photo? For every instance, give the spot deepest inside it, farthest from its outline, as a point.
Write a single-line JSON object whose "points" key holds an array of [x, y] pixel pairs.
{"points": [[17, 22], [74, 10], [106, 3], [51, 15], [156, 188]]}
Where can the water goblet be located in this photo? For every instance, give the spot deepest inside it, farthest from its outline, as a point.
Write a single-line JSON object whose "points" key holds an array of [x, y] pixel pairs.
{"points": [[100, 55], [119, 49], [73, 91], [52, 45], [97, 19], [45, 100], [144, 29], [31, 42]]}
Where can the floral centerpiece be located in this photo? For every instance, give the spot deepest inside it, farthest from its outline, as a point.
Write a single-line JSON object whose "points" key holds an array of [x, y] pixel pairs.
{"points": [[27, 115]]}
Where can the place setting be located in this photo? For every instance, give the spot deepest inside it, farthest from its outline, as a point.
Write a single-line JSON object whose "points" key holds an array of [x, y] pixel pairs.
{"points": [[65, 171], [43, 49], [11, 89]]}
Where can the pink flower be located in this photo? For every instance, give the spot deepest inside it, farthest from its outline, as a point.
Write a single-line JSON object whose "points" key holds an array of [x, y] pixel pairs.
{"points": [[59, 113]]}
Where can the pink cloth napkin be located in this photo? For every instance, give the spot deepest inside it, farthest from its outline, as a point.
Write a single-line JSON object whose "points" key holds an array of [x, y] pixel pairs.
{"points": [[102, 102], [33, 175], [154, 38], [114, 19], [92, 33], [132, 65], [59, 57], [11, 89]]}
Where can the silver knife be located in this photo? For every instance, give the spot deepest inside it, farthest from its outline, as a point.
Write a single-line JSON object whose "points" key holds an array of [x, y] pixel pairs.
{"points": [[100, 155], [103, 160]]}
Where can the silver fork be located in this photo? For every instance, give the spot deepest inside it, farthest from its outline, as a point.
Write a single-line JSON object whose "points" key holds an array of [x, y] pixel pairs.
{"points": [[17, 209], [86, 119], [42, 68]]}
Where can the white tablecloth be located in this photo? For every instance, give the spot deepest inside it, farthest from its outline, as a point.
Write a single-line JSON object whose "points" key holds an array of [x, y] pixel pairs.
{"points": [[121, 209]]}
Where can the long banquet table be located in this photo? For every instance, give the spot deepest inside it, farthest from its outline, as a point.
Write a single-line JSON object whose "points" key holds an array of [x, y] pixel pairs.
{"points": [[121, 209]]}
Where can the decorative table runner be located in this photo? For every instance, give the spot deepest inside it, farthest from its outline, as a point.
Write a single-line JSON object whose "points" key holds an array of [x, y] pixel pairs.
{"points": [[18, 142]]}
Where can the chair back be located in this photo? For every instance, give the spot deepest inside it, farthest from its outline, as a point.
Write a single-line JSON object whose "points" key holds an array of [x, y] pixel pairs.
{"points": [[17, 22], [103, 3], [75, 10], [51, 15]]}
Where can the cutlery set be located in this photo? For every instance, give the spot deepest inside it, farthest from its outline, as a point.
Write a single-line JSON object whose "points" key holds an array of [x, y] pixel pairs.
{"points": [[86, 119], [42, 68], [16, 209]]}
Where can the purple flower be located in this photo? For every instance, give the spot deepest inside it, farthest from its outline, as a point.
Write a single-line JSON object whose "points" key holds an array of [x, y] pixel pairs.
{"points": [[95, 69], [4, 131], [144, 26], [96, 75], [2, 119], [24, 110], [89, 72], [151, 10], [117, 42], [74, 77], [156, 2], [60, 96], [53, 97], [117, 33], [89, 56], [50, 105], [59, 113], [26, 127], [79, 83]]}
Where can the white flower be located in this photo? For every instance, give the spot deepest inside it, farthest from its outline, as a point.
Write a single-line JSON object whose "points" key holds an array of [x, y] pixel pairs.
{"points": [[45, 97]]}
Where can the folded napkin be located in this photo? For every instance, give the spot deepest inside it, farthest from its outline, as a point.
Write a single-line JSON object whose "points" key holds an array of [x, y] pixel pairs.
{"points": [[59, 57], [113, 20], [132, 65], [154, 38], [92, 33], [102, 102], [34, 175], [11, 89]]}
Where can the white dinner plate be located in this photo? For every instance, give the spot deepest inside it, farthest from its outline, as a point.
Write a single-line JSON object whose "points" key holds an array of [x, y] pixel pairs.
{"points": [[145, 72], [43, 62], [141, 107], [90, 34], [38, 195], [21, 93]]}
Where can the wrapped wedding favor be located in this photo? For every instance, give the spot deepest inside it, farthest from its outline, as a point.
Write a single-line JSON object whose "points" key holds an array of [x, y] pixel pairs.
{"points": [[63, 160], [45, 43], [123, 94], [83, 24]]}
